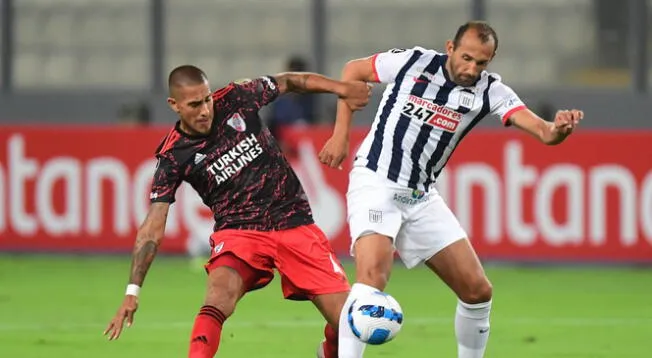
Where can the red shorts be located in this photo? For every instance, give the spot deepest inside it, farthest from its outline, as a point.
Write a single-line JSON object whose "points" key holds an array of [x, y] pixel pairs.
{"points": [[302, 255]]}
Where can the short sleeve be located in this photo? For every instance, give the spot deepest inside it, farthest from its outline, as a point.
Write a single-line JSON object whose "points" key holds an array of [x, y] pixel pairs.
{"points": [[504, 102], [166, 180], [386, 65], [258, 92]]}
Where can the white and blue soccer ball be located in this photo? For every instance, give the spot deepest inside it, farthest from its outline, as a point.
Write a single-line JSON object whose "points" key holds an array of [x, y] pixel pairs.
{"points": [[375, 318]]}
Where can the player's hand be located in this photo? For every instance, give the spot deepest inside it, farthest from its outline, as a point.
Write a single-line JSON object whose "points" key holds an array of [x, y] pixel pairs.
{"points": [[356, 94], [334, 151], [126, 312], [567, 120]]}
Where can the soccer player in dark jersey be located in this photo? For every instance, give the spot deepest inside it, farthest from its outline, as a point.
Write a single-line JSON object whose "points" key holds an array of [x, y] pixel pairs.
{"points": [[262, 217]]}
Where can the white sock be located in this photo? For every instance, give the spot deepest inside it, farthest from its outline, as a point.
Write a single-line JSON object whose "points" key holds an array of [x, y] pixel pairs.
{"points": [[349, 345], [472, 329]]}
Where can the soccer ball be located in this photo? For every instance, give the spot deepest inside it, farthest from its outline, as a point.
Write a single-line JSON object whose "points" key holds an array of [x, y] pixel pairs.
{"points": [[375, 318]]}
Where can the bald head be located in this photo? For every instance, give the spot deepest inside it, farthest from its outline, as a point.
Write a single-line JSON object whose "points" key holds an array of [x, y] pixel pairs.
{"points": [[186, 75]]}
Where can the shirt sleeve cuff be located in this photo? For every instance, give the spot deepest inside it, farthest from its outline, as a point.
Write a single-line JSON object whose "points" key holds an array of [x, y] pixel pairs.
{"points": [[375, 69], [509, 113]]}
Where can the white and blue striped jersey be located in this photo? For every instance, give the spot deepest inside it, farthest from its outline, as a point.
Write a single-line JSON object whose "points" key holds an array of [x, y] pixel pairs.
{"points": [[423, 116]]}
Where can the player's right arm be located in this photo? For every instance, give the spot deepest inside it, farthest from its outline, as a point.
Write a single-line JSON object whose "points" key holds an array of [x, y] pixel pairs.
{"points": [[148, 239], [380, 68]]}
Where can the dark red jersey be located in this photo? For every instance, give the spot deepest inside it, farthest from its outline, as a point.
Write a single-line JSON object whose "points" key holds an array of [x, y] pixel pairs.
{"points": [[238, 169]]}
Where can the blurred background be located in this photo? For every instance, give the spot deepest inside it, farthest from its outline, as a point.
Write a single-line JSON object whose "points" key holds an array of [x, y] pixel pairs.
{"points": [[69, 54], [566, 229]]}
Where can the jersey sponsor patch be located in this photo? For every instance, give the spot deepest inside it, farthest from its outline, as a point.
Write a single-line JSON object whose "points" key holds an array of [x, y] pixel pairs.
{"points": [[426, 111], [411, 198], [235, 158]]}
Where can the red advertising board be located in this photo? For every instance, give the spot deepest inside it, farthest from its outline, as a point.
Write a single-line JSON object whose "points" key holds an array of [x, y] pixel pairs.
{"points": [[590, 199]]}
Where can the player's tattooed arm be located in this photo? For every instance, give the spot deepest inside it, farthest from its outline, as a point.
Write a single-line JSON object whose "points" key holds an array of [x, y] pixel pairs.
{"points": [[355, 93], [362, 69], [307, 82], [150, 234]]}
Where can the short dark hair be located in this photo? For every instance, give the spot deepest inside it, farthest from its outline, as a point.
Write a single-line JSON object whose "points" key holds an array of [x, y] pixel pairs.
{"points": [[186, 75], [484, 30]]}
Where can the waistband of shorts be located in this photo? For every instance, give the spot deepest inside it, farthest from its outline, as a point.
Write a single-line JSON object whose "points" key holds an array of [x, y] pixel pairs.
{"points": [[382, 180]]}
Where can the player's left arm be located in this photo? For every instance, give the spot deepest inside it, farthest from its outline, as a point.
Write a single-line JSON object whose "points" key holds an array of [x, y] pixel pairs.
{"points": [[550, 133], [264, 90], [355, 93], [512, 111]]}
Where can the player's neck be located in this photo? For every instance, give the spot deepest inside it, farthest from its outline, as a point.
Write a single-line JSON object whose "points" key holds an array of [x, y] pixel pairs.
{"points": [[182, 127], [447, 70], [187, 131], [448, 74]]}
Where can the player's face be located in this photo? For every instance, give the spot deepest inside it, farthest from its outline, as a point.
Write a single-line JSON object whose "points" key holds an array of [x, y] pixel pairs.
{"points": [[194, 104], [469, 59]]}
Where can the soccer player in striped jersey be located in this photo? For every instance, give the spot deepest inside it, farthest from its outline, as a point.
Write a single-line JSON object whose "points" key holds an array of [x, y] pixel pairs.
{"points": [[431, 102]]}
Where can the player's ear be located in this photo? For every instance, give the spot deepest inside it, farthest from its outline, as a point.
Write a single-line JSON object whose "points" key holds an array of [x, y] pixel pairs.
{"points": [[450, 46], [173, 104]]}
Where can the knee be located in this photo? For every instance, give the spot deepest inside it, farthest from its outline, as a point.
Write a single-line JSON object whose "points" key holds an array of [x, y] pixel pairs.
{"points": [[224, 290], [373, 274], [373, 260], [478, 291], [225, 301]]}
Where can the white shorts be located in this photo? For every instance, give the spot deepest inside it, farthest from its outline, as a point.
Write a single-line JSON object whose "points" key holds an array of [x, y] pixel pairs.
{"points": [[420, 224]]}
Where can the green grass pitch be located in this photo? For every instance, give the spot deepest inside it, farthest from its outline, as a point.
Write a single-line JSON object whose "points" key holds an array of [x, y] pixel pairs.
{"points": [[58, 306]]}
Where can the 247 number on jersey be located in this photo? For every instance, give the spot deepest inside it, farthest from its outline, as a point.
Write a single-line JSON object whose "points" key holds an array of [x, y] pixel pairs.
{"points": [[438, 116]]}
